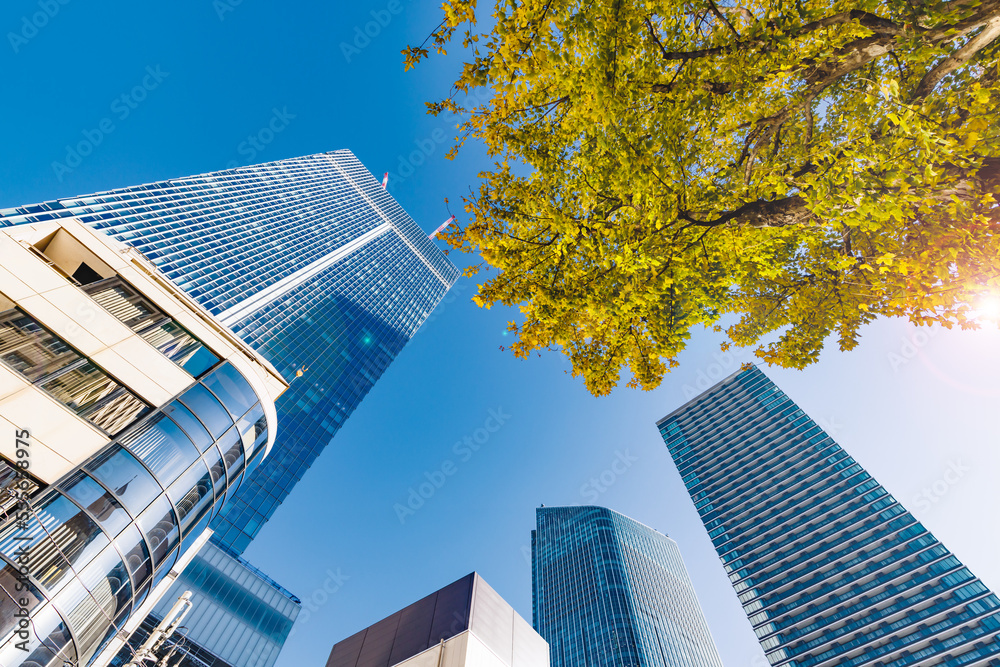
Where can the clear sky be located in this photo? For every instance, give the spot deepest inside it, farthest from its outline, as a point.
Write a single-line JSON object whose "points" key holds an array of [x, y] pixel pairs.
{"points": [[920, 412]]}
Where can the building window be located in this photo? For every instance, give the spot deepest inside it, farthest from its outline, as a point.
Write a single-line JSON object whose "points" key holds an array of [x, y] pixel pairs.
{"points": [[159, 330], [49, 363]]}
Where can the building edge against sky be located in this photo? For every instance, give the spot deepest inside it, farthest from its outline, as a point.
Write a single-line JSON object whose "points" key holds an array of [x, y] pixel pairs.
{"points": [[828, 566], [138, 416], [466, 623], [310, 261], [607, 589]]}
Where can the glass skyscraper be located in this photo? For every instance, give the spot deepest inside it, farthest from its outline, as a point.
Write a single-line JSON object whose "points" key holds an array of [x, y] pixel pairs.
{"points": [[310, 261], [608, 590], [829, 567]]}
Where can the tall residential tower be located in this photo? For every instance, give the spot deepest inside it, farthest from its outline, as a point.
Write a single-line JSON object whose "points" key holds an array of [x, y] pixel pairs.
{"points": [[608, 590], [829, 567]]}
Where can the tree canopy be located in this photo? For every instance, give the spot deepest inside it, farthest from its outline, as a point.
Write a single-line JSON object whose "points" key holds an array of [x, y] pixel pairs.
{"points": [[803, 167]]}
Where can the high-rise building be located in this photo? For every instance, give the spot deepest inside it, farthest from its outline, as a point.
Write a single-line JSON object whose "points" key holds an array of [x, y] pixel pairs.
{"points": [[310, 261], [608, 590], [128, 416], [239, 615], [465, 624], [829, 567]]}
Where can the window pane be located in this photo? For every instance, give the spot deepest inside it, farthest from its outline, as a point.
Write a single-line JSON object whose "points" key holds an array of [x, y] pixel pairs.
{"points": [[187, 421], [86, 390], [93, 497], [192, 495], [132, 545], [163, 447], [123, 303], [208, 409], [55, 647], [181, 347], [213, 459], [160, 528], [229, 385], [249, 426], [108, 582], [231, 446], [29, 348], [84, 615], [126, 478]]}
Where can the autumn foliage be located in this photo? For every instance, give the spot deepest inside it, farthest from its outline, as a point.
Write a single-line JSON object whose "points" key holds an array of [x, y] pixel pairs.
{"points": [[804, 167]]}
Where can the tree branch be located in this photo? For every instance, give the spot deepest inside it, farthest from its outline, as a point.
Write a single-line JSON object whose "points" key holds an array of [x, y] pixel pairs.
{"points": [[957, 59]]}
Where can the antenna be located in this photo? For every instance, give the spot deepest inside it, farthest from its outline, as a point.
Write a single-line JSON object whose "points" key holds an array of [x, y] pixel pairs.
{"points": [[441, 228]]}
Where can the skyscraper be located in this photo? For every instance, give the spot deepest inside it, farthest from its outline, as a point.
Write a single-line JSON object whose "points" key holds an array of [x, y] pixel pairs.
{"points": [[310, 261], [465, 624], [829, 567], [608, 590]]}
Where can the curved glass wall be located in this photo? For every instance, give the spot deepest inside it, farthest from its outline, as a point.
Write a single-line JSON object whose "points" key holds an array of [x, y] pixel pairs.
{"points": [[97, 542]]}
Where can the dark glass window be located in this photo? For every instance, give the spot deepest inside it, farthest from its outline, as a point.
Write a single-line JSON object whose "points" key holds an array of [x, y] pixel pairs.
{"points": [[232, 388], [160, 528], [126, 477], [93, 497], [187, 421], [46, 360], [163, 447], [139, 314], [208, 409]]}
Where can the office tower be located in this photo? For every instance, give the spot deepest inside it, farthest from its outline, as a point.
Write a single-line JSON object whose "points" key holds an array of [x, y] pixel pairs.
{"points": [[127, 416], [829, 568], [465, 624], [608, 590], [240, 615], [310, 261]]}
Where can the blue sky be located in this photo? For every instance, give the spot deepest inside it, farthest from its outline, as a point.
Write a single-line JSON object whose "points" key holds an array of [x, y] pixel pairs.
{"points": [[918, 410]]}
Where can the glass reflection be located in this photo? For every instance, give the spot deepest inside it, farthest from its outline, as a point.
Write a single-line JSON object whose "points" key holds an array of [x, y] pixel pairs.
{"points": [[93, 497], [160, 528], [187, 421], [208, 409], [163, 447], [232, 388], [126, 477]]}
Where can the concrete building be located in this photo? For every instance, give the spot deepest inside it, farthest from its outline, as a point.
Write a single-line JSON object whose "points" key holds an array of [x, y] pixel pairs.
{"points": [[465, 624], [128, 416]]}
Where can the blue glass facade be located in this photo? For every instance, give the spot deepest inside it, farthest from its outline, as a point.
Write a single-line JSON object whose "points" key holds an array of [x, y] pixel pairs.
{"points": [[239, 617], [829, 567], [608, 590], [310, 261]]}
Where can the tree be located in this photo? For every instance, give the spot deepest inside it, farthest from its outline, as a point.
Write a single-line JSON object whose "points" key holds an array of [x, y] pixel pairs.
{"points": [[802, 167]]}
